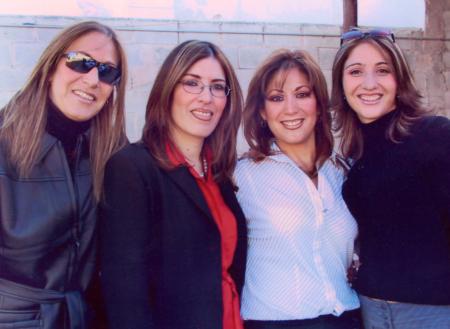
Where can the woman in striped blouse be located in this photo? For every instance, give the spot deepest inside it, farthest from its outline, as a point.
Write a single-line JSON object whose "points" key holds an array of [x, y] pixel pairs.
{"points": [[300, 232]]}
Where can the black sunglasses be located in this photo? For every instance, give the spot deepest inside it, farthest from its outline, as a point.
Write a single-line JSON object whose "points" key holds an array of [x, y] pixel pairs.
{"points": [[83, 63], [358, 34]]}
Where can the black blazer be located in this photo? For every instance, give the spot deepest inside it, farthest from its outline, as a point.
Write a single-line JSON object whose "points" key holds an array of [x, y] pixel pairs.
{"points": [[160, 246]]}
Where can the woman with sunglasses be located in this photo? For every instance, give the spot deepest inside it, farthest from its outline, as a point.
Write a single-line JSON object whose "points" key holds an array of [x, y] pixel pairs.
{"points": [[398, 188], [300, 232], [173, 237], [56, 135]]}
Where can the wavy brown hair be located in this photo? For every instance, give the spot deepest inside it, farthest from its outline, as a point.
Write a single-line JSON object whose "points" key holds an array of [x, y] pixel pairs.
{"points": [[24, 117], [223, 139], [409, 107], [258, 134]]}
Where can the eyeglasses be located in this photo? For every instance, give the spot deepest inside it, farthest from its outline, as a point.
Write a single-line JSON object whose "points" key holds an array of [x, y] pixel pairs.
{"points": [[194, 86], [83, 63], [355, 34]]}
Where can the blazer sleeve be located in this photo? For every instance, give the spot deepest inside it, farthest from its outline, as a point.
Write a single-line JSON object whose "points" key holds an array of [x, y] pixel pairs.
{"points": [[237, 269], [124, 244]]}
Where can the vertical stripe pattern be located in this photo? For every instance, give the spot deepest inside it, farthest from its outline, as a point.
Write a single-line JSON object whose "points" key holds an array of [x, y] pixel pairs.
{"points": [[300, 241]]}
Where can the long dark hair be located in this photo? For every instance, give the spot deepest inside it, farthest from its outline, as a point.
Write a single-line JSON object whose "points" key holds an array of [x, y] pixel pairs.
{"points": [[158, 119], [24, 117], [409, 107]]}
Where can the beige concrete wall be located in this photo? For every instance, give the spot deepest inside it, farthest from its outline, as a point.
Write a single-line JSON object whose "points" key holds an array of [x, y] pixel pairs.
{"points": [[147, 43]]}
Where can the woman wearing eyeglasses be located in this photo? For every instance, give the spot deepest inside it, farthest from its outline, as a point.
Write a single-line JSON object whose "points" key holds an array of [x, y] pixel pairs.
{"points": [[173, 236], [398, 188], [300, 232], [56, 135]]}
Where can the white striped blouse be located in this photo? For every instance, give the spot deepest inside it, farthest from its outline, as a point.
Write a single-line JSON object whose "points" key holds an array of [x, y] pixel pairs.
{"points": [[300, 241]]}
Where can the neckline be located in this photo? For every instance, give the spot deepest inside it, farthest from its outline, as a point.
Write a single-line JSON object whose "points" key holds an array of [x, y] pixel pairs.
{"points": [[62, 127], [381, 122]]}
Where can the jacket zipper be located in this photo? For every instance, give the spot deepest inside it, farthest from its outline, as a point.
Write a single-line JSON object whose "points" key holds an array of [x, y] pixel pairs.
{"points": [[76, 229]]}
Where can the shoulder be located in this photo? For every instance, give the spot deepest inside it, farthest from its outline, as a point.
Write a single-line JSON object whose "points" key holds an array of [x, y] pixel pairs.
{"points": [[249, 166], [335, 168], [340, 164], [434, 125], [131, 153], [246, 169], [433, 130], [243, 163], [133, 156], [430, 139]]}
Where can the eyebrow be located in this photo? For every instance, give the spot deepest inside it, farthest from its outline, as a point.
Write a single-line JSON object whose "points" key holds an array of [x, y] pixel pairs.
{"points": [[302, 86], [196, 76], [353, 64], [297, 88]]}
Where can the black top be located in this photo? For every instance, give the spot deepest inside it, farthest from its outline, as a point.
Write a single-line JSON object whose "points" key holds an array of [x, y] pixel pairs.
{"points": [[66, 130], [399, 194], [160, 249]]}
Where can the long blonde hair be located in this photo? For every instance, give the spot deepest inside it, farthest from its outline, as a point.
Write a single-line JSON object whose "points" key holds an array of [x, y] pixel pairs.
{"points": [[24, 117]]}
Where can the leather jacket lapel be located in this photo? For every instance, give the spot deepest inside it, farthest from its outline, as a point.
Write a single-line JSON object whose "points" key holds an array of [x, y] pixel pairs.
{"points": [[46, 144]]}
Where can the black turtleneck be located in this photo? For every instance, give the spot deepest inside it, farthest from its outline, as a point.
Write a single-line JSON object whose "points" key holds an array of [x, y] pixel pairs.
{"points": [[399, 193], [65, 130]]}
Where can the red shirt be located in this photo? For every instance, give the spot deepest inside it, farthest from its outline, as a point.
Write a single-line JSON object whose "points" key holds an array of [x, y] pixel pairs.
{"points": [[226, 223]]}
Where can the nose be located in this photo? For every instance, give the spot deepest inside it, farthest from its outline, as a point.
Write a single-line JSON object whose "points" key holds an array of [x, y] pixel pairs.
{"points": [[370, 81], [205, 95], [290, 105], [91, 78]]}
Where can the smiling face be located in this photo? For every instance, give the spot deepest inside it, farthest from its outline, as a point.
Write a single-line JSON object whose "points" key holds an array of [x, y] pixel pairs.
{"points": [[290, 109], [195, 116], [369, 82], [80, 96]]}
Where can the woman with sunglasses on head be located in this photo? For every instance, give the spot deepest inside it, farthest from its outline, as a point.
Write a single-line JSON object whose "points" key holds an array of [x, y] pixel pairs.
{"points": [[173, 236], [56, 135], [398, 188], [300, 232]]}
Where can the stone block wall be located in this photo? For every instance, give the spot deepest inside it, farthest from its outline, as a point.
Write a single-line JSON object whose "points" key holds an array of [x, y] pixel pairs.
{"points": [[147, 43], [446, 54]]}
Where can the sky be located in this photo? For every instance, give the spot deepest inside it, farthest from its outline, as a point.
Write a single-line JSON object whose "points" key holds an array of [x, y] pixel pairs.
{"points": [[387, 13]]}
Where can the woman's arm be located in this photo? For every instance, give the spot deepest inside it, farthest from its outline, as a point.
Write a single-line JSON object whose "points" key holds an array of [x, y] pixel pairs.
{"points": [[444, 168], [439, 141], [124, 244]]}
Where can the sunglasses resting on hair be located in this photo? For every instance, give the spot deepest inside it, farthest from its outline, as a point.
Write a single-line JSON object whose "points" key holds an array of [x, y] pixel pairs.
{"points": [[355, 34], [83, 63]]}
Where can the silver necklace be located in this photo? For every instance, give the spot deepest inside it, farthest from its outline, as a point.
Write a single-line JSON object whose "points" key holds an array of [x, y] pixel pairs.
{"points": [[204, 166]]}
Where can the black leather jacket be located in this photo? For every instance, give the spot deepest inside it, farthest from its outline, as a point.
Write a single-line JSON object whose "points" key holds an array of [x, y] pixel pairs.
{"points": [[47, 240]]}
